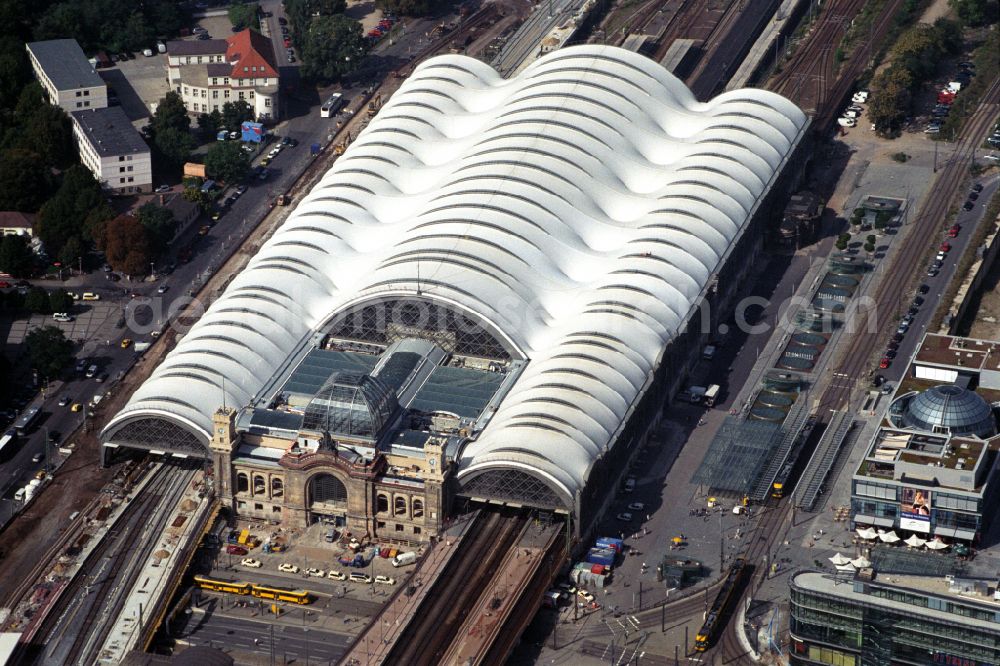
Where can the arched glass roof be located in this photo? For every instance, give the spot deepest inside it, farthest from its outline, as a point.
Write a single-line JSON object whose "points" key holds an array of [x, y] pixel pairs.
{"points": [[351, 404], [962, 411]]}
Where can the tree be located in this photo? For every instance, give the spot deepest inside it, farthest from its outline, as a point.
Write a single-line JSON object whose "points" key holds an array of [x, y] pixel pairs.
{"points": [[301, 13], [60, 301], [49, 350], [209, 125], [159, 223], [42, 128], [244, 15], [170, 114], [407, 7], [173, 146], [869, 247], [16, 257], [227, 162], [234, 113], [842, 241], [889, 103], [333, 46], [15, 73], [37, 301], [871, 239], [975, 12], [71, 251], [126, 245], [25, 180], [78, 198], [194, 194]]}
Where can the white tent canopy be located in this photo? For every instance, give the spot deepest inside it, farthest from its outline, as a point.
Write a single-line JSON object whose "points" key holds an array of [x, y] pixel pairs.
{"points": [[888, 537], [937, 544], [839, 559], [867, 533], [845, 567], [861, 562], [914, 541]]}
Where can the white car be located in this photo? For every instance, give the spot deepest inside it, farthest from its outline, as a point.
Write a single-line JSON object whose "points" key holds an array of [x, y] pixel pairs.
{"points": [[636, 506], [148, 53], [315, 573], [846, 122], [250, 562], [586, 596], [358, 577], [336, 575], [274, 151], [288, 568], [625, 516], [385, 580], [860, 97]]}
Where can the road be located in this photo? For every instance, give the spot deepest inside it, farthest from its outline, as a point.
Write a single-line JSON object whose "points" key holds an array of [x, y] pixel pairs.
{"points": [[259, 635]]}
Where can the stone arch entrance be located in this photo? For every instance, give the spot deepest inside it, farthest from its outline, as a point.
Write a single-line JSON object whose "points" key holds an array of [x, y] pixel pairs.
{"points": [[326, 499]]}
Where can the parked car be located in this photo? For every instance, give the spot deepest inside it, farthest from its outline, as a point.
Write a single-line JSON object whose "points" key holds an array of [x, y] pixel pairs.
{"points": [[162, 188], [636, 506], [384, 580], [358, 577], [250, 562], [968, 205], [63, 401], [624, 516], [860, 97], [288, 568], [953, 232], [236, 550], [846, 122], [884, 363], [336, 575], [315, 573]]}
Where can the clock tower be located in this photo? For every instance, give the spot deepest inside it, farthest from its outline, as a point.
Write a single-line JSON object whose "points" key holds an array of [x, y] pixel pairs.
{"points": [[223, 442]]}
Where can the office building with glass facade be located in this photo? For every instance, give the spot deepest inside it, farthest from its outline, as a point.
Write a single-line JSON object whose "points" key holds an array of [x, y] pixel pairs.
{"points": [[931, 467], [885, 620]]}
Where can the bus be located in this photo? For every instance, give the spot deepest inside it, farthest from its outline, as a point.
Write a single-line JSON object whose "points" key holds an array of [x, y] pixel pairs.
{"points": [[8, 444], [332, 106], [253, 589], [29, 416]]}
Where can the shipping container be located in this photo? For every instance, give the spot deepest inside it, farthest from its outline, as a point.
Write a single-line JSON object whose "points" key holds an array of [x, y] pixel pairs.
{"points": [[601, 556], [610, 542], [598, 569]]}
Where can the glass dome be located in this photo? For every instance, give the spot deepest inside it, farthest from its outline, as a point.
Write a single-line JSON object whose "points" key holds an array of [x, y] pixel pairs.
{"points": [[351, 404], [960, 411]]}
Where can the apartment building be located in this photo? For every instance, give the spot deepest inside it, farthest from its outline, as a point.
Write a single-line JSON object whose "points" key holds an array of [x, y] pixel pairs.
{"points": [[67, 77], [113, 150]]}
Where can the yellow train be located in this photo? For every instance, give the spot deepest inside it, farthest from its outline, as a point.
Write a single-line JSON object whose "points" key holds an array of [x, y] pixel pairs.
{"points": [[714, 621], [254, 590]]}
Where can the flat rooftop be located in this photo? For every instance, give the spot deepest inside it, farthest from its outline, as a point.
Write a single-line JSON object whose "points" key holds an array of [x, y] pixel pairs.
{"points": [[64, 63], [110, 132], [826, 583], [957, 352]]}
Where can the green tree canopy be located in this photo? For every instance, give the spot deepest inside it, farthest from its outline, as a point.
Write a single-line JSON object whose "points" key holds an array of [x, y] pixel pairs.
{"points": [[333, 46], [243, 15], [16, 256], [170, 114], [25, 181], [234, 113], [110, 24], [72, 250], [79, 197], [173, 147], [159, 223], [49, 350], [15, 72], [209, 125], [890, 99], [976, 12], [227, 162], [60, 301], [409, 7], [126, 245], [42, 128], [37, 301]]}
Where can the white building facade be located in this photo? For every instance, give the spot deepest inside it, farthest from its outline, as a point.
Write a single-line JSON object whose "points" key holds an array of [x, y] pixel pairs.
{"points": [[66, 76], [113, 150]]}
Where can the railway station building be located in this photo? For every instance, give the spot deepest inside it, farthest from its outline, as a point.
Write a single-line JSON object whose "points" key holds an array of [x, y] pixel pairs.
{"points": [[931, 467], [489, 297]]}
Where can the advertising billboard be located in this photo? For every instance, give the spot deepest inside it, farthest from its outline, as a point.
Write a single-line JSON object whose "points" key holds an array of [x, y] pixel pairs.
{"points": [[915, 510], [252, 131]]}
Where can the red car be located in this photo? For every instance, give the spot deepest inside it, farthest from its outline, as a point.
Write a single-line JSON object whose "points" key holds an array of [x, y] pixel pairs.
{"points": [[288, 42], [885, 362], [953, 232], [4, 284], [236, 550], [946, 246]]}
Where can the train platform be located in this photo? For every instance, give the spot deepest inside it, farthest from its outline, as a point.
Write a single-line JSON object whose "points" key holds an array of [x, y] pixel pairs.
{"points": [[375, 643], [777, 28]]}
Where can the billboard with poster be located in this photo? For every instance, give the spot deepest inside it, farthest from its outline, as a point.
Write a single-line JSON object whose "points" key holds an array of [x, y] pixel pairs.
{"points": [[916, 504]]}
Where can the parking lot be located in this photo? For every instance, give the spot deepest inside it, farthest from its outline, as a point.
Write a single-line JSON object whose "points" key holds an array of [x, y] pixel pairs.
{"points": [[88, 318], [139, 83]]}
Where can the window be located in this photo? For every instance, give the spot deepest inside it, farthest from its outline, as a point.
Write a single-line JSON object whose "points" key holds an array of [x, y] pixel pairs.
{"points": [[251, 94], [259, 485], [87, 103], [185, 90], [242, 483], [215, 94], [215, 107], [418, 508], [241, 94], [382, 504], [416, 530], [86, 93], [225, 94], [215, 80], [129, 168], [199, 60], [130, 179], [121, 180], [121, 169], [78, 93], [399, 528], [277, 488], [204, 94], [875, 490], [121, 158], [257, 506], [399, 506], [241, 506], [247, 69], [380, 524], [267, 101], [79, 104], [276, 509], [129, 158]]}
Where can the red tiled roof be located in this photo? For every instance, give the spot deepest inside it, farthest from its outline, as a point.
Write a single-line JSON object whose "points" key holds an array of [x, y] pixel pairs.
{"points": [[249, 49]]}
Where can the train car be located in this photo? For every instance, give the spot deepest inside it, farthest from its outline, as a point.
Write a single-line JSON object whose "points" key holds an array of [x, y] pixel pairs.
{"points": [[780, 484], [227, 586], [281, 594], [709, 631]]}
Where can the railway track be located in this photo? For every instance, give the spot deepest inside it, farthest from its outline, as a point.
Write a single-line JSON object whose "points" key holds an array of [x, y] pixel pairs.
{"points": [[75, 628], [426, 638]]}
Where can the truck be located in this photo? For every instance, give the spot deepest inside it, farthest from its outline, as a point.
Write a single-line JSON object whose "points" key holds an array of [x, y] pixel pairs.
{"points": [[711, 394], [402, 559], [141, 346]]}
